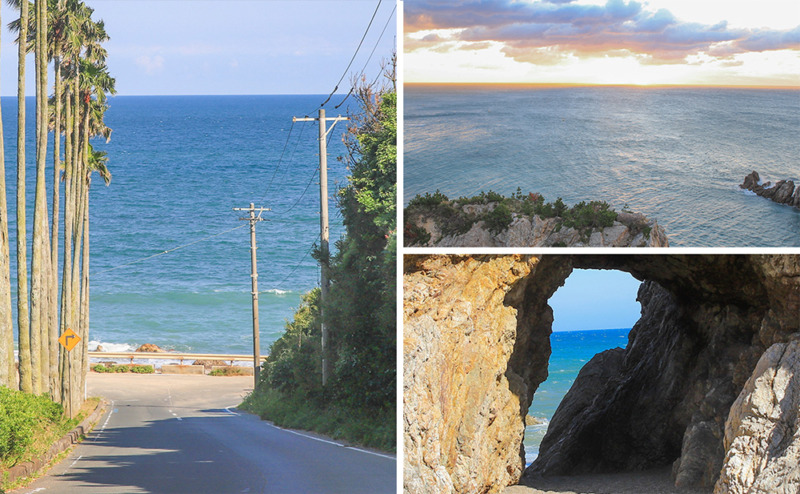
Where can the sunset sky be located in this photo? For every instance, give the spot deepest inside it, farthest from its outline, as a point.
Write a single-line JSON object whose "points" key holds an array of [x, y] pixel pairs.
{"points": [[698, 42]]}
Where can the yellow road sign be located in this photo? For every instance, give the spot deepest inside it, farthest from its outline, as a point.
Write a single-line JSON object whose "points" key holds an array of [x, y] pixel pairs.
{"points": [[69, 339]]}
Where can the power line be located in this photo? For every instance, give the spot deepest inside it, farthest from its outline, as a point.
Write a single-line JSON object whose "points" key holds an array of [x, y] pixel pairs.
{"points": [[354, 55], [308, 185], [168, 250], [285, 145], [364, 68], [301, 195], [313, 244], [291, 156]]}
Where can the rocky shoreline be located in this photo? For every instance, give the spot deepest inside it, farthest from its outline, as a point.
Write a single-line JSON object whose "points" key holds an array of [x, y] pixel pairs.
{"points": [[783, 192], [490, 220]]}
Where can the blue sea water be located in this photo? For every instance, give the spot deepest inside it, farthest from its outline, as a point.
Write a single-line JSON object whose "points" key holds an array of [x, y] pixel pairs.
{"points": [[180, 164], [571, 350], [674, 154]]}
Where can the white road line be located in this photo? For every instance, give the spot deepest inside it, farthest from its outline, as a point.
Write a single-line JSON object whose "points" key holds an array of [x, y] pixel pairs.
{"points": [[94, 438], [332, 442], [228, 409], [71, 465]]}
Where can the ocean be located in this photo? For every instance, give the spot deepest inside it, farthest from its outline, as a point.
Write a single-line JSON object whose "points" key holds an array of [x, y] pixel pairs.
{"points": [[180, 164], [677, 155], [571, 350]]}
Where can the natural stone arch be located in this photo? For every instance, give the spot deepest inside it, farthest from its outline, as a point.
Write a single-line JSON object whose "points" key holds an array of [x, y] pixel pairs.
{"points": [[477, 343]]}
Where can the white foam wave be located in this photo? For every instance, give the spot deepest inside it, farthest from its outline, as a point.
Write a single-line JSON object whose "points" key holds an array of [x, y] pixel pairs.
{"points": [[277, 291], [110, 347]]}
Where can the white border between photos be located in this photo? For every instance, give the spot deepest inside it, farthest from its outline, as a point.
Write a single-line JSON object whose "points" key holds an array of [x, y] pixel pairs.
{"points": [[400, 250]]}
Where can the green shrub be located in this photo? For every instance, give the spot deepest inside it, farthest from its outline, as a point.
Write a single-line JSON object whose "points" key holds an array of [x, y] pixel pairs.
{"points": [[646, 230], [142, 369], [498, 219], [492, 196], [136, 368], [21, 415], [596, 214], [428, 200], [526, 207], [415, 235], [229, 371]]}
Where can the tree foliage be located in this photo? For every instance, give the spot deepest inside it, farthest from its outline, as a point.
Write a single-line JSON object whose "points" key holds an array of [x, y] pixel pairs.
{"points": [[360, 306]]}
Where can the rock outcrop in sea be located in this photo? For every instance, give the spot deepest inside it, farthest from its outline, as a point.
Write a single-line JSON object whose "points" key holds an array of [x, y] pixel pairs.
{"points": [[782, 192], [708, 382], [469, 224]]}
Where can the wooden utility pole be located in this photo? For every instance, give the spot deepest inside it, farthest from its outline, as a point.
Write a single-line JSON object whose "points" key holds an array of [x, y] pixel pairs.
{"points": [[253, 219], [323, 229]]}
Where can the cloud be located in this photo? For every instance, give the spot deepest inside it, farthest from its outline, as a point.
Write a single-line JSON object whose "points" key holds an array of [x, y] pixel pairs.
{"points": [[150, 64], [547, 30]]}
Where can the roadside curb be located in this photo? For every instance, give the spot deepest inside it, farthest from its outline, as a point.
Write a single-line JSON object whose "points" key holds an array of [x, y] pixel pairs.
{"points": [[30, 468]]}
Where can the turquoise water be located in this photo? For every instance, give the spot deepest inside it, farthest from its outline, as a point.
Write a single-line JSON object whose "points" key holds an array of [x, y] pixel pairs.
{"points": [[674, 154], [180, 164], [571, 351]]}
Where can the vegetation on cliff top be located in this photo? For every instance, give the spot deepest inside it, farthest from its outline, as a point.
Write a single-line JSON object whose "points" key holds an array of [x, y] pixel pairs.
{"points": [[358, 403], [500, 212]]}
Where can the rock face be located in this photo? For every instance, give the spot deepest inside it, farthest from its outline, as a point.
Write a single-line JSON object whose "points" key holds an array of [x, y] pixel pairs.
{"points": [[783, 192], [150, 347], [629, 230], [762, 434], [477, 345], [456, 381]]}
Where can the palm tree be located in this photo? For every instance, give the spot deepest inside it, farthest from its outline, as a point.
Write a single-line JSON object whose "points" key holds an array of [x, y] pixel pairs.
{"points": [[28, 345], [40, 253], [7, 370]]}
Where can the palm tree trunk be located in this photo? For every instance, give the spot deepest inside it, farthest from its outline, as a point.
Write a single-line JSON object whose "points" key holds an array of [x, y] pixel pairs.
{"points": [[66, 286], [27, 348], [54, 306], [7, 366], [40, 251], [84, 310]]}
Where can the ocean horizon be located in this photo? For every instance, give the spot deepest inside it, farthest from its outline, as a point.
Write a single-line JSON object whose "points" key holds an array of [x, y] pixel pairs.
{"points": [[179, 165], [676, 154]]}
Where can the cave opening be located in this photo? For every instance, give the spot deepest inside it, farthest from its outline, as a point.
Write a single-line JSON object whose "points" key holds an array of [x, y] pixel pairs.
{"points": [[593, 312]]}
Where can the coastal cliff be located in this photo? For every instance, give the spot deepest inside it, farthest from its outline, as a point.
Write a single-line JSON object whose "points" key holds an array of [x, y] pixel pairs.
{"points": [[491, 220], [782, 192], [476, 348]]}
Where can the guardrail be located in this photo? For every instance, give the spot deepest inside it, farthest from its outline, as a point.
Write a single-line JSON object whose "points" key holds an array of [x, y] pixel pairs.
{"points": [[174, 356]]}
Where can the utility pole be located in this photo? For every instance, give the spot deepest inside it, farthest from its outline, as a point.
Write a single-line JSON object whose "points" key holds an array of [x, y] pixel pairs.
{"points": [[254, 277], [323, 228]]}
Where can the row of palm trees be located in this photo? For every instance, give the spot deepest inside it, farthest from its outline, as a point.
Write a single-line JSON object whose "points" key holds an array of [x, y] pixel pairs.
{"points": [[64, 33]]}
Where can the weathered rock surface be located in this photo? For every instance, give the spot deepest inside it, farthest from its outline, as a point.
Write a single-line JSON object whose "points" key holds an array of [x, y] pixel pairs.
{"points": [[762, 434], [783, 192], [463, 424], [474, 358], [150, 347], [629, 230]]}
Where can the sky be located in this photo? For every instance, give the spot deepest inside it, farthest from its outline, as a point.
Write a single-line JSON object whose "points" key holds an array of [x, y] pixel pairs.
{"points": [[671, 42], [596, 299], [168, 47]]}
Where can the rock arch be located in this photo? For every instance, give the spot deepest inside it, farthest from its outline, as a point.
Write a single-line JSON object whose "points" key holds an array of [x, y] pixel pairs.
{"points": [[476, 347]]}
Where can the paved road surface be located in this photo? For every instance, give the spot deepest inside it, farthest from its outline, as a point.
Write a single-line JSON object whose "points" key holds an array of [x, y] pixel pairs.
{"points": [[181, 434]]}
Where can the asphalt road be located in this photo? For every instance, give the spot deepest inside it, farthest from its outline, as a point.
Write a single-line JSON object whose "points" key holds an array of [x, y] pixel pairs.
{"points": [[182, 434]]}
